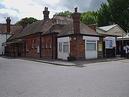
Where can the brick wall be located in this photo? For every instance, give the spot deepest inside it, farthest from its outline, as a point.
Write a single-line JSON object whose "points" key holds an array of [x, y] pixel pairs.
{"points": [[77, 47], [49, 45], [32, 43]]}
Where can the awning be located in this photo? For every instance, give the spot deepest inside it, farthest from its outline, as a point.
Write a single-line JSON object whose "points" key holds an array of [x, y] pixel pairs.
{"points": [[123, 38]]}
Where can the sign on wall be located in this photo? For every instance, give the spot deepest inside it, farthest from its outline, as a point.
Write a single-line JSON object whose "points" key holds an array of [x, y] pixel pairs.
{"points": [[110, 42]]}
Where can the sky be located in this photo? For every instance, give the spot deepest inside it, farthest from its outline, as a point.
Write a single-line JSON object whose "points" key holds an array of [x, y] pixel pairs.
{"points": [[18, 9]]}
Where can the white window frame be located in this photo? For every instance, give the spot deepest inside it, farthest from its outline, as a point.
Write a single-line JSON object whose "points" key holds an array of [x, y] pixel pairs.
{"points": [[65, 44], [91, 42]]}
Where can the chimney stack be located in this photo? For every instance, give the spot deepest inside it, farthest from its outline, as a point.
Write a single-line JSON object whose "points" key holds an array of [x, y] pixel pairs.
{"points": [[76, 21], [8, 21], [46, 13]]}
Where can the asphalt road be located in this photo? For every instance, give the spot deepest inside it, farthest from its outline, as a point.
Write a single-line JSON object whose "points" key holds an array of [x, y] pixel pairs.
{"points": [[22, 78]]}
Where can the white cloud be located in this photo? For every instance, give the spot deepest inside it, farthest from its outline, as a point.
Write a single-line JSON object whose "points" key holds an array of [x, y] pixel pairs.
{"points": [[18, 9], [27, 8]]}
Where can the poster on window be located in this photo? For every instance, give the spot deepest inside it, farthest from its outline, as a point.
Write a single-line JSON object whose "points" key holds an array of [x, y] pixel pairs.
{"points": [[110, 42]]}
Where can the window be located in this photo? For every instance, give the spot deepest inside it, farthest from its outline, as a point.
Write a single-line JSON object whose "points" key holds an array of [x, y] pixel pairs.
{"points": [[60, 47], [91, 45], [50, 45], [33, 43], [65, 47], [29, 44], [38, 49]]}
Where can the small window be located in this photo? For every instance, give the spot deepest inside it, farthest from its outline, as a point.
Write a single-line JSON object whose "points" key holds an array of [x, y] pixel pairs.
{"points": [[65, 47], [38, 49], [91, 46], [50, 46], [33, 43], [60, 47]]}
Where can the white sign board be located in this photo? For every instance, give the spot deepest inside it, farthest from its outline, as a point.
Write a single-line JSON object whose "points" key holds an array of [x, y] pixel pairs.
{"points": [[110, 42]]}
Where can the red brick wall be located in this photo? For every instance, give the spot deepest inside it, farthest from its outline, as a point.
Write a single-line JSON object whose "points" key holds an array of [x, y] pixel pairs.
{"points": [[32, 42], [77, 47], [46, 46], [49, 46], [29, 47], [76, 22], [15, 50]]}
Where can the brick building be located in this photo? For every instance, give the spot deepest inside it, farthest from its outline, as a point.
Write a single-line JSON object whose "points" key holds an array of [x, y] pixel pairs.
{"points": [[6, 31], [56, 38]]}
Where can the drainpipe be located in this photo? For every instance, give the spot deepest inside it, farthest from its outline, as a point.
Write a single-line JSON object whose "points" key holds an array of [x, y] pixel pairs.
{"points": [[40, 45], [24, 48], [52, 46]]}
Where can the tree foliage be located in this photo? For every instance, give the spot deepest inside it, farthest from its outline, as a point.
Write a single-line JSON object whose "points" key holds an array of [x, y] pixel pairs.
{"points": [[65, 13], [25, 21], [89, 17], [115, 11], [104, 15]]}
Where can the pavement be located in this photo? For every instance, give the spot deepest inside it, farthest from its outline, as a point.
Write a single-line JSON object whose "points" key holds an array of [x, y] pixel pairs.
{"points": [[79, 63], [23, 78]]}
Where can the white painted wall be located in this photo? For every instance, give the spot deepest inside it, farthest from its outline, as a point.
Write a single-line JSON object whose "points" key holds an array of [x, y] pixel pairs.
{"points": [[61, 54], [91, 54], [3, 40]]}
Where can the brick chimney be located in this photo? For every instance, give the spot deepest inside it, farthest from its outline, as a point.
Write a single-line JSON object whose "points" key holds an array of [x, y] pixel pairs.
{"points": [[46, 13], [76, 21], [8, 21]]}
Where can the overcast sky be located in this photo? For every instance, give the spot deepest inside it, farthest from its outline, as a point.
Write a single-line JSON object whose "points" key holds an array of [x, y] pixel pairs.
{"points": [[18, 9]]}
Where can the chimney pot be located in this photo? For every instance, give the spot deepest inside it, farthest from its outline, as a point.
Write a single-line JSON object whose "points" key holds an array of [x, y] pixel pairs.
{"points": [[46, 9], [46, 13], [8, 21], [76, 9]]}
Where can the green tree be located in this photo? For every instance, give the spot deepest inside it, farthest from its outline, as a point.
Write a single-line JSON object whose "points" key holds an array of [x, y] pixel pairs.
{"points": [[86, 17], [65, 13], [115, 11], [89, 17], [120, 12], [25, 21], [104, 15]]}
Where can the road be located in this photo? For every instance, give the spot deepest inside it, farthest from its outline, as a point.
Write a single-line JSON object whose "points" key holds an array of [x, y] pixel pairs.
{"points": [[22, 78]]}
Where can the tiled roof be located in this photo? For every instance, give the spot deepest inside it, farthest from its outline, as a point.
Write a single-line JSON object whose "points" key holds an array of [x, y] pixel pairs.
{"points": [[58, 24], [84, 29]]}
